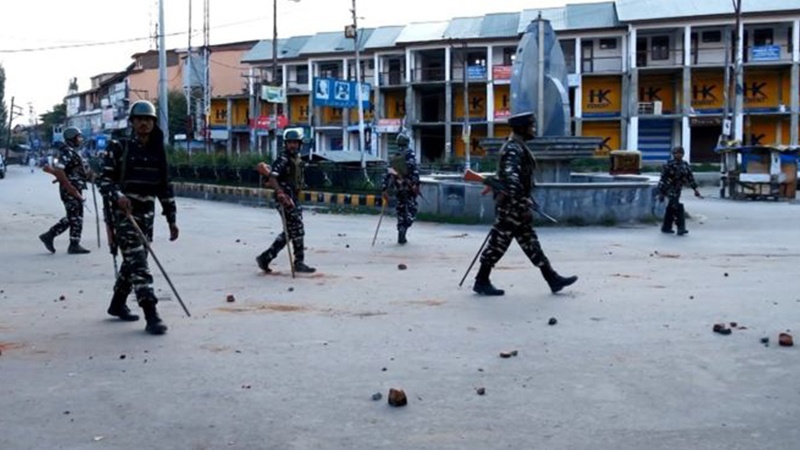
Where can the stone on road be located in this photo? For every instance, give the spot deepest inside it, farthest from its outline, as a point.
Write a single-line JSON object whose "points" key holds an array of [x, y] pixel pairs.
{"points": [[632, 364]]}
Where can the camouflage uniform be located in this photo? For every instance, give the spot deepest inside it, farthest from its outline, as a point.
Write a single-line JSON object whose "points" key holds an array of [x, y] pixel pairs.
{"points": [[70, 161], [406, 185], [288, 171], [140, 173], [674, 175], [514, 217]]}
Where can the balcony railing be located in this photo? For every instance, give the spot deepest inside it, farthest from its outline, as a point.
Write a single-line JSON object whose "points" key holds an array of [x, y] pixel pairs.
{"points": [[659, 57], [392, 78], [429, 74], [602, 64]]}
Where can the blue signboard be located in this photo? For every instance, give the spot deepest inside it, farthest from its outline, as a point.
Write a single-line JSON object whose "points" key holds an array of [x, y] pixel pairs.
{"points": [[476, 72], [766, 53], [339, 93]]}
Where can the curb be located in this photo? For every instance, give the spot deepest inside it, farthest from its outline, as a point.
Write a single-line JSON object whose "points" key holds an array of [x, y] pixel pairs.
{"points": [[263, 195]]}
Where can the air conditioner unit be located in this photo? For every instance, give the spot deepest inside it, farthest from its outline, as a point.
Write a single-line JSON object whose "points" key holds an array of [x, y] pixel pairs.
{"points": [[658, 107]]}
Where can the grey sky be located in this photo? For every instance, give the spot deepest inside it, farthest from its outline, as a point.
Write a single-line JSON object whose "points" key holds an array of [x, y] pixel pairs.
{"points": [[42, 77]]}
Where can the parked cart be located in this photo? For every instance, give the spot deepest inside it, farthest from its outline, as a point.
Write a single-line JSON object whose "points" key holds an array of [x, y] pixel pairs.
{"points": [[759, 172]]}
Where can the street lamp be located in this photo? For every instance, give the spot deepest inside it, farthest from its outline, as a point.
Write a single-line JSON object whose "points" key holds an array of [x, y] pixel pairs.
{"points": [[352, 32], [275, 61]]}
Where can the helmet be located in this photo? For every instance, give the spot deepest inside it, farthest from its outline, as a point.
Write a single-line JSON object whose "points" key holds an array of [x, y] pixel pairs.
{"points": [[71, 133], [402, 140], [143, 108], [293, 134]]}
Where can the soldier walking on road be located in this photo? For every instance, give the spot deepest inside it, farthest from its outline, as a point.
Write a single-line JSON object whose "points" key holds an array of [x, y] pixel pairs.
{"points": [[135, 172], [674, 174], [70, 172], [403, 176], [286, 180], [514, 210]]}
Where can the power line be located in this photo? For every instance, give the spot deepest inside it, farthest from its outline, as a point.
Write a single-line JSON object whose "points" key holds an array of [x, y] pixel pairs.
{"points": [[119, 41]]}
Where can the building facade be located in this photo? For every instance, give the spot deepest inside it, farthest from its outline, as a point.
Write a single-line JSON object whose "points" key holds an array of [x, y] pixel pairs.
{"points": [[643, 76]]}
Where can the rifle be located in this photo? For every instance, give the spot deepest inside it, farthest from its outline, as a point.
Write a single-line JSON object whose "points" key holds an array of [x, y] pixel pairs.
{"points": [[493, 184], [108, 218], [96, 215]]}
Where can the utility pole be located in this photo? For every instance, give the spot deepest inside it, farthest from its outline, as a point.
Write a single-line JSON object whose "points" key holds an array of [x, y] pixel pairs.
{"points": [[356, 44], [738, 119], [466, 132], [163, 116], [206, 78], [12, 112], [189, 85]]}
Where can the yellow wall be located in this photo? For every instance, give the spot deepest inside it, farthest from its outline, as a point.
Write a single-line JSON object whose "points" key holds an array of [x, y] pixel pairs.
{"points": [[502, 98], [298, 110], [332, 116], [761, 89], [609, 131], [219, 112], [395, 105], [475, 136], [602, 96], [501, 131], [658, 88], [368, 115], [477, 103], [707, 90], [239, 112]]}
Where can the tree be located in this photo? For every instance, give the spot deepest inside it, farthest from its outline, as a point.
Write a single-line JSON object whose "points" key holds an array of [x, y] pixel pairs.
{"points": [[176, 103], [3, 110], [56, 116]]}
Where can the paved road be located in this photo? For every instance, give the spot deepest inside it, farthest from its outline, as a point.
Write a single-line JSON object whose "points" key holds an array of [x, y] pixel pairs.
{"points": [[292, 364]]}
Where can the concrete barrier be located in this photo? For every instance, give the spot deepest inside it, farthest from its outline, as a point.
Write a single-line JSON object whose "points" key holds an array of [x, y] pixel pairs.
{"points": [[591, 199]]}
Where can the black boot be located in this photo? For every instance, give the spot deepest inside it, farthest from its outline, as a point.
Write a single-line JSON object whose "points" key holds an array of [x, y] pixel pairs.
{"points": [[680, 220], [47, 239], [119, 307], [76, 249], [401, 236], [154, 323], [482, 284], [299, 256], [263, 261], [301, 267], [556, 281]]}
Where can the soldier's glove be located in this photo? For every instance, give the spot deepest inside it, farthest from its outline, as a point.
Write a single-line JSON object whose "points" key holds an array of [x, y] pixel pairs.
{"points": [[173, 231], [285, 200], [416, 190], [385, 197], [661, 198], [697, 194], [124, 204]]}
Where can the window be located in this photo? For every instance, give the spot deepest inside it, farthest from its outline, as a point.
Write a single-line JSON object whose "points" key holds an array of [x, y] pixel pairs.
{"points": [[509, 53], [659, 48], [790, 40], [608, 43], [712, 36], [762, 36], [302, 74], [329, 70]]}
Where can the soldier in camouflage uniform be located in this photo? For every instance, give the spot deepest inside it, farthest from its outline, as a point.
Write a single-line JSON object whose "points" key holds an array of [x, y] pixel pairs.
{"points": [[135, 173], [286, 180], [403, 176], [674, 174], [71, 174], [514, 211]]}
